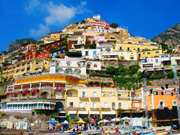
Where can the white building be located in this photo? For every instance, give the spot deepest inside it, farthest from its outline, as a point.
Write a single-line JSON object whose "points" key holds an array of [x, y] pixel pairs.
{"points": [[162, 61], [89, 53]]}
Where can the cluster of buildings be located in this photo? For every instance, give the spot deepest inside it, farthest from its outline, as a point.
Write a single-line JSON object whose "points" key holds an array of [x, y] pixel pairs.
{"points": [[50, 76]]}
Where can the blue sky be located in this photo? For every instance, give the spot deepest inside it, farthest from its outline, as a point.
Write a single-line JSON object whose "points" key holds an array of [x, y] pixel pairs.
{"points": [[34, 18]]}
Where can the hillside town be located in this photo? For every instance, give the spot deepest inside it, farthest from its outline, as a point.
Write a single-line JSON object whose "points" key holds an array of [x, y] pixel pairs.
{"points": [[89, 70]]}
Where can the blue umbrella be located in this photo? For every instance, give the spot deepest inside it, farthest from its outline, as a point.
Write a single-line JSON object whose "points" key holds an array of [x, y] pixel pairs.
{"points": [[52, 121], [65, 123]]}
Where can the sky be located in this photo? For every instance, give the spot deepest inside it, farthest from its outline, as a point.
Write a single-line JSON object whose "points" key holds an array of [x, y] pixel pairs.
{"points": [[34, 18]]}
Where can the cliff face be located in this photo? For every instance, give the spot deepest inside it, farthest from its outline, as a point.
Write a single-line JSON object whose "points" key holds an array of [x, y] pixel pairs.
{"points": [[171, 36], [17, 43]]}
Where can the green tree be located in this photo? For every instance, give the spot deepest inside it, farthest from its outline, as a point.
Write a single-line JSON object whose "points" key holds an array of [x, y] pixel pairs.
{"points": [[111, 70], [164, 46], [170, 74], [133, 69], [114, 25], [122, 70]]}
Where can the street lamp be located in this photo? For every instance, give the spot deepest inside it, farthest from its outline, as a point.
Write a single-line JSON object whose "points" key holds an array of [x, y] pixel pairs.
{"points": [[177, 93], [146, 99]]}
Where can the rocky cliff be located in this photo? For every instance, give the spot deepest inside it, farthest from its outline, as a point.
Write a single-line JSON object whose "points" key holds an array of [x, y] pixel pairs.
{"points": [[171, 36], [17, 43]]}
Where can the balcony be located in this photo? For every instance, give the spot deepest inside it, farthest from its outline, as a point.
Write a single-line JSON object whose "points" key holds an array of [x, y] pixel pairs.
{"points": [[137, 99], [81, 108], [33, 97], [105, 108], [94, 109], [124, 98], [46, 87], [71, 95], [15, 98], [22, 98], [84, 98], [95, 98], [71, 108]]}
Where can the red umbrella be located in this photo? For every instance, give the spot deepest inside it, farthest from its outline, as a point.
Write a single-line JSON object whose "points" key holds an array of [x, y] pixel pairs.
{"points": [[92, 121]]}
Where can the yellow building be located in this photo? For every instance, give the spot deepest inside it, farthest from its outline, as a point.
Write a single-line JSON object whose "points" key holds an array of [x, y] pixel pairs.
{"points": [[25, 67], [150, 53], [120, 56], [94, 102], [133, 47], [52, 38]]}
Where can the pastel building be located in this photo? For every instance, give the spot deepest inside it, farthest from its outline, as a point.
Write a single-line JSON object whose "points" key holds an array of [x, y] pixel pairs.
{"points": [[25, 67], [95, 102], [160, 62], [71, 66], [89, 53]]}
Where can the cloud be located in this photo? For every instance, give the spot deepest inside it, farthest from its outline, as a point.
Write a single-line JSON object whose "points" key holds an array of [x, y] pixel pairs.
{"points": [[32, 5], [59, 14], [43, 29], [56, 14]]}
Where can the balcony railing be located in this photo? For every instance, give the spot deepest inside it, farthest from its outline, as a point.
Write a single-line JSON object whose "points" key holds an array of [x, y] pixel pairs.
{"points": [[33, 97], [95, 98], [81, 108], [71, 108], [94, 109], [83, 97], [46, 87], [105, 108], [124, 98], [25, 97], [15, 98]]}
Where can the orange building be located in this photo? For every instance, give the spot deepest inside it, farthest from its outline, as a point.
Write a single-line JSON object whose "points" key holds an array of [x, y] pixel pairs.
{"points": [[158, 97]]}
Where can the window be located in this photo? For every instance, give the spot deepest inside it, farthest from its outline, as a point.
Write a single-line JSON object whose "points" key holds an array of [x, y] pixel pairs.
{"points": [[119, 105], [95, 65], [105, 105], [71, 104], [162, 56], [81, 104], [110, 94], [138, 49], [125, 105], [114, 47], [119, 95], [86, 53], [94, 94], [148, 52], [83, 94], [94, 52], [113, 105], [79, 65], [102, 94], [157, 51], [131, 58], [94, 104], [128, 49], [68, 64], [120, 48], [150, 104], [174, 103], [156, 60], [71, 94], [161, 104], [136, 105]]}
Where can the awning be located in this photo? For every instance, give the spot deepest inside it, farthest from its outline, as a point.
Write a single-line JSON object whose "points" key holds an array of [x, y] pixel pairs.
{"points": [[92, 121], [9, 93], [26, 91], [35, 90], [59, 90]]}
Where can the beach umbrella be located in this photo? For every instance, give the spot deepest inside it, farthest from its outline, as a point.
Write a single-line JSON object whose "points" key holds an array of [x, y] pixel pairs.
{"points": [[52, 121], [92, 121], [80, 122], [103, 121], [116, 120], [65, 123]]}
